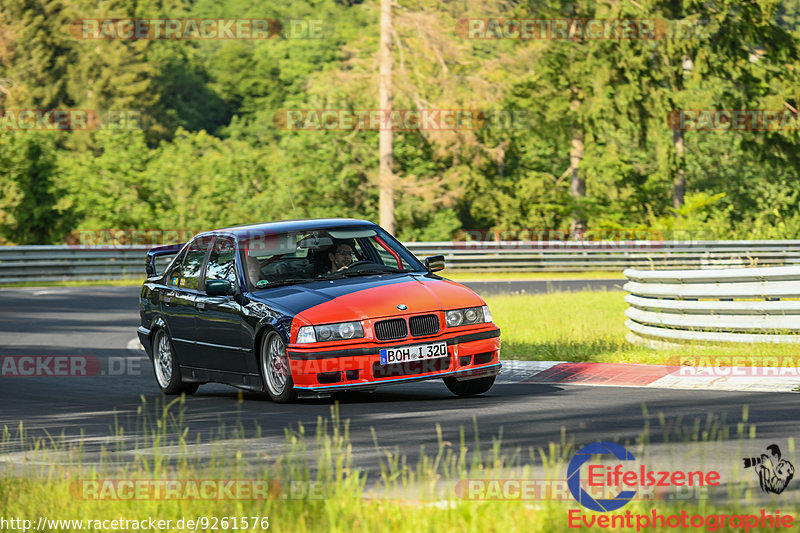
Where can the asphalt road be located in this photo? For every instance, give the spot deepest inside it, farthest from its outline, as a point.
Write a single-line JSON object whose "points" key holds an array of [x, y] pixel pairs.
{"points": [[100, 322]]}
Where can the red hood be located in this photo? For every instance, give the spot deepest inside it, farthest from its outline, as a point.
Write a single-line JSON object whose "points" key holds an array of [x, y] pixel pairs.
{"points": [[420, 295]]}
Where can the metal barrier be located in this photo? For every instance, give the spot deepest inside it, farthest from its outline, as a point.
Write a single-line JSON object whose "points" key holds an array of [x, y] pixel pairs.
{"points": [[57, 263], [571, 256], [748, 305]]}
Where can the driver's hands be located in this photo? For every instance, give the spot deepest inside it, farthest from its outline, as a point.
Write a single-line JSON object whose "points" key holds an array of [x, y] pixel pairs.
{"points": [[342, 268]]}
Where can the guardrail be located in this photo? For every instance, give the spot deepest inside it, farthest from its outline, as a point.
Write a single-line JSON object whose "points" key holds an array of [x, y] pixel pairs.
{"points": [[750, 305], [577, 256], [57, 263]]}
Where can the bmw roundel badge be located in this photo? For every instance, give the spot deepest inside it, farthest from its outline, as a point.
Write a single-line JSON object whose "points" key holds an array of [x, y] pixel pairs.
{"points": [[402, 307]]}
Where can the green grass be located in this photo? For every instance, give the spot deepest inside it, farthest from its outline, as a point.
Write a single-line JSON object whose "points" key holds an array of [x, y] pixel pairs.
{"points": [[131, 282], [589, 326]]}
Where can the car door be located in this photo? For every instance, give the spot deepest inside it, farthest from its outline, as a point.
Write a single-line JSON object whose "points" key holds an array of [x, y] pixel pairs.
{"points": [[178, 301], [221, 337]]}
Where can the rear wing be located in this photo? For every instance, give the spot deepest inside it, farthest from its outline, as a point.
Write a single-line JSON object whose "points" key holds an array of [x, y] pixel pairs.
{"points": [[159, 251]]}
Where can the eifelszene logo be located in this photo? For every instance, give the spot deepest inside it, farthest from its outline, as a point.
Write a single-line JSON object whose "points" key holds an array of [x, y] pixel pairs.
{"points": [[574, 476], [774, 473], [639, 477]]}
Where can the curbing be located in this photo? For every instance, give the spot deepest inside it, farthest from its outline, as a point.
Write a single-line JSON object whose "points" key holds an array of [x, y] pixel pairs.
{"points": [[738, 379]]}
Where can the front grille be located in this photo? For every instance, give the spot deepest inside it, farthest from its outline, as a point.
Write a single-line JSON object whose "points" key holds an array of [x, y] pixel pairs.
{"points": [[423, 325], [410, 368], [387, 330]]}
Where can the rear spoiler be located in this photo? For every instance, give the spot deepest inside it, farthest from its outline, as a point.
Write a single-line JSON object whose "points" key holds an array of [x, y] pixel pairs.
{"points": [[158, 251]]}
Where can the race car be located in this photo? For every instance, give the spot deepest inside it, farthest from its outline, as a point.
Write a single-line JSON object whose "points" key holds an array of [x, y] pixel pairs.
{"points": [[306, 308]]}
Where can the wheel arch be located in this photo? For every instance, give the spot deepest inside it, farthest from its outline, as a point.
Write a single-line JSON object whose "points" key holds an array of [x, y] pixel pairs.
{"points": [[156, 325], [264, 327]]}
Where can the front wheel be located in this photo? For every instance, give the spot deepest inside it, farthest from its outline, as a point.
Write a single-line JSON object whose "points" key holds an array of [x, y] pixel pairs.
{"points": [[469, 387], [168, 373], [275, 369]]}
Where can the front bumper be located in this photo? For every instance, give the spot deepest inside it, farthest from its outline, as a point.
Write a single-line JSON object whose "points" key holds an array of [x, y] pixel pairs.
{"points": [[470, 355]]}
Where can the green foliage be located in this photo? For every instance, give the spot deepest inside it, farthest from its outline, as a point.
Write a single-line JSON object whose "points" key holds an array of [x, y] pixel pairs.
{"points": [[28, 210], [210, 154]]}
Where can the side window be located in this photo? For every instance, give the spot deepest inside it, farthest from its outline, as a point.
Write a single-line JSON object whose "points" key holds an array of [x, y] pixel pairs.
{"points": [[173, 276], [388, 256], [190, 272], [221, 264]]}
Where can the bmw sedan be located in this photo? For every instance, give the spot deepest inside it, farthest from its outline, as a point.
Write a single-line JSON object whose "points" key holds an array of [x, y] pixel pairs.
{"points": [[305, 308]]}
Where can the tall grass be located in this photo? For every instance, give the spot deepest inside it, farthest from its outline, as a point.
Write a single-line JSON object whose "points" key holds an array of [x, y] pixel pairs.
{"points": [[400, 497]]}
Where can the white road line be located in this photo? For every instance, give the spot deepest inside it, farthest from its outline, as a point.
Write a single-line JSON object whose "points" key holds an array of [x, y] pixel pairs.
{"points": [[135, 345]]}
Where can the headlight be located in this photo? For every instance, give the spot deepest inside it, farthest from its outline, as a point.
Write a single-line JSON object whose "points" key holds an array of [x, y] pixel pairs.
{"points": [[468, 316], [454, 318], [330, 332]]}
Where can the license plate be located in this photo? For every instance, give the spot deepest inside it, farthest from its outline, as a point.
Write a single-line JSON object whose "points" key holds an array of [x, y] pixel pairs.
{"points": [[418, 352]]}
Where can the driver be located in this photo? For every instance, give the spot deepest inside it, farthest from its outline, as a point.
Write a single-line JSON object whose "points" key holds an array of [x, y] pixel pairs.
{"points": [[341, 255]]}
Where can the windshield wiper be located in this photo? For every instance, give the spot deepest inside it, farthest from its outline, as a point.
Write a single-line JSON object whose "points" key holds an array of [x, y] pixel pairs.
{"points": [[345, 273], [369, 271], [278, 283]]}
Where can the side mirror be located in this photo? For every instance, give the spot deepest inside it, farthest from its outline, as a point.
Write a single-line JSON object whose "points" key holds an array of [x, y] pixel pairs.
{"points": [[218, 287], [150, 268], [434, 263]]}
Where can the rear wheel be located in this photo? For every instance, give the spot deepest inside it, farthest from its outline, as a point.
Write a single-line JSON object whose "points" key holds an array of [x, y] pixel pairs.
{"points": [[275, 369], [168, 373], [469, 387]]}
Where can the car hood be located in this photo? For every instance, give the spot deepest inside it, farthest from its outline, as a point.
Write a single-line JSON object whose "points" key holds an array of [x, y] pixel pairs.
{"points": [[327, 301]]}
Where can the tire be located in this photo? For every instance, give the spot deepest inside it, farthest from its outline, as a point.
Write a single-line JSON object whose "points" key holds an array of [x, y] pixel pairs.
{"points": [[166, 369], [470, 387], [275, 371]]}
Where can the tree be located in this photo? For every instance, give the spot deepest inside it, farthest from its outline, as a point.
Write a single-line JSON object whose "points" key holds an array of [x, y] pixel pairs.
{"points": [[36, 53], [385, 105], [707, 40], [29, 213], [574, 94]]}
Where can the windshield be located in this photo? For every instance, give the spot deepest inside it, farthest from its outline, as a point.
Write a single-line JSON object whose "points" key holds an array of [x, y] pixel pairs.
{"points": [[274, 259]]}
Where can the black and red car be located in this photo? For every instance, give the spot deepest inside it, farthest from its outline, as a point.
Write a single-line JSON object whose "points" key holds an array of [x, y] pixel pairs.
{"points": [[308, 308]]}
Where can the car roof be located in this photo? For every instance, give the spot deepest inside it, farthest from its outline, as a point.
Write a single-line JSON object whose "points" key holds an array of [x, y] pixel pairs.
{"points": [[290, 225]]}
